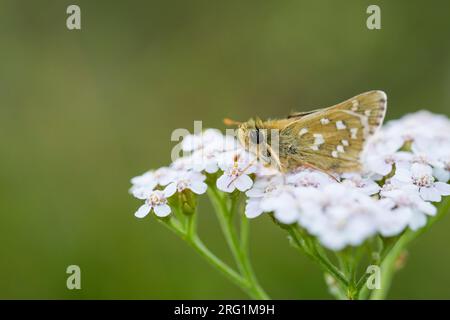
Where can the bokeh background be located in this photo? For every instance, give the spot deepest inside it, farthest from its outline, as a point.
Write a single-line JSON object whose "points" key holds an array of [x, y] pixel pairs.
{"points": [[81, 112]]}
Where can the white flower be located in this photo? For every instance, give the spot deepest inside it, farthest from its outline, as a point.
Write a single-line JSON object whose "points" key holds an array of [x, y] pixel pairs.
{"points": [[308, 178], [165, 175], [263, 188], [441, 168], [380, 154], [148, 181], [205, 160], [283, 203], [408, 207], [337, 215], [389, 186], [421, 177], [189, 180], [419, 128], [236, 166], [206, 149], [156, 200], [366, 185], [265, 171], [435, 152], [207, 138], [182, 164], [394, 220]]}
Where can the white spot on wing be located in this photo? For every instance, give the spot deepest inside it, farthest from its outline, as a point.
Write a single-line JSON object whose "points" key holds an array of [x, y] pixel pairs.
{"points": [[363, 119], [302, 132], [324, 121], [334, 154], [318, 139], [340, 148], [340, 125], [353, 132], [345, 143], [315, 148]]}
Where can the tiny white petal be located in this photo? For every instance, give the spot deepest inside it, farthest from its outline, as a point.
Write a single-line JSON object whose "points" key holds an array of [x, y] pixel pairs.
{"points": [[430, 194], [198, 187], [441, 174], [224, 183], [427, 208], [418, 220], [143, 211], [170, 190], [286, 216], [252, 209], [402, 174], [162, 210], [378, 165], [243, 182], [443, 188], [255, 193]]}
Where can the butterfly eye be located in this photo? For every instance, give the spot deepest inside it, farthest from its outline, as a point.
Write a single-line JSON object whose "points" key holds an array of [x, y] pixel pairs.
{"points": [[256, 136]]}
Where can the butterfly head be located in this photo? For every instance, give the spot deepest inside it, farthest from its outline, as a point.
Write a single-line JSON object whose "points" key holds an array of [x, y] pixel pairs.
{"points": [[250, 134], [255, 136]]}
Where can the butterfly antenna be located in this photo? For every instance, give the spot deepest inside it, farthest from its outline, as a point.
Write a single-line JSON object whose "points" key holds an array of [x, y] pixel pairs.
{"points": [[230, 122]]}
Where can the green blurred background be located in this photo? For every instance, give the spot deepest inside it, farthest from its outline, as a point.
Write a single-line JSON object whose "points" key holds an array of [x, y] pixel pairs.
{"points": [[81, 112]]}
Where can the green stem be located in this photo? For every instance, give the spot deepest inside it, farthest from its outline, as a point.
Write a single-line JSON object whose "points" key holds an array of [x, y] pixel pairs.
{"points": [[240, 254], [388, 263], [378, 250], [308, 248], [244, 234], [191, 225], [195, 242]]}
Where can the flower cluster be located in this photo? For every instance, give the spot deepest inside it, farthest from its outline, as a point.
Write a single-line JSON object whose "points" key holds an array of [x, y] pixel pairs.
{"points": [[406, 168]]}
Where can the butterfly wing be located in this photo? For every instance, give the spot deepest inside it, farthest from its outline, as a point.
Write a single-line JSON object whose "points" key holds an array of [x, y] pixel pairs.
{"points": [[302, 113], [333, 139]]}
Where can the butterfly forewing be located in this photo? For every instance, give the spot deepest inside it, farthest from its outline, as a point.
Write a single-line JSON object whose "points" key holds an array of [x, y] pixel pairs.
{"points": [[332, 139]]}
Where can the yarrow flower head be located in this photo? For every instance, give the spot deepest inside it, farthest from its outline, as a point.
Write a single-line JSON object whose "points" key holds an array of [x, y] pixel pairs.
{"points": [[406, 167]]}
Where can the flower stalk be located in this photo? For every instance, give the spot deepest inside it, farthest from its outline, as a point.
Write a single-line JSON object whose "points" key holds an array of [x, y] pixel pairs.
{"points": [[194, 241], [388, 265], [225, 208]]}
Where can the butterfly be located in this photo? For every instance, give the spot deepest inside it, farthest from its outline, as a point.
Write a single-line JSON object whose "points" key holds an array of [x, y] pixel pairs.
{"points": [[330, 139]]}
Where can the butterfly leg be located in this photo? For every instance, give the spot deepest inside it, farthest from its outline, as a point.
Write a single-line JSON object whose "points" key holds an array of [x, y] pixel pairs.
{"points": [[310, 166], [243, 171]]}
